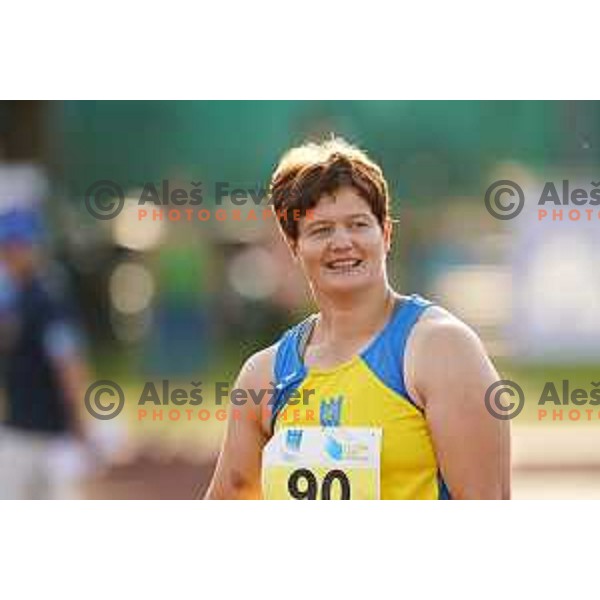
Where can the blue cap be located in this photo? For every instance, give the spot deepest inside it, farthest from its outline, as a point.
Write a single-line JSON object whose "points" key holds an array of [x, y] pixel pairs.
{"points": [[20, 226]]}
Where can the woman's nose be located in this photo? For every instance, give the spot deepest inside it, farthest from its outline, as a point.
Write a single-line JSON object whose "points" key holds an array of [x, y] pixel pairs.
{"points": [[341, 238]]}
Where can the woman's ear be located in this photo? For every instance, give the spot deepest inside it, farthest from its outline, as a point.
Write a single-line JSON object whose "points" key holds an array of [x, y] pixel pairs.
{"points": [[388, 227]]}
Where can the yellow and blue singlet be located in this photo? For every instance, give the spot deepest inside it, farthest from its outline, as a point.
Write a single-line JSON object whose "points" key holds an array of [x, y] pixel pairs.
{"points": [[368, 391]]}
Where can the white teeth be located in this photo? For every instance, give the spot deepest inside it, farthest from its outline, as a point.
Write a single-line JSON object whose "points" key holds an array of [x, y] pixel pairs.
{"points": [[344, 263]]}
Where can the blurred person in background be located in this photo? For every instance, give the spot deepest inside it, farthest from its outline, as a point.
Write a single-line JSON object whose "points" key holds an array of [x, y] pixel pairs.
{"points": [[7, 325], [44, 374], [392, 387]]}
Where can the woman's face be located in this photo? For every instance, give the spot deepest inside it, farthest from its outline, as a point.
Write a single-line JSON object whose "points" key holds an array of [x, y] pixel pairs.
{"points": [[341, 246]]}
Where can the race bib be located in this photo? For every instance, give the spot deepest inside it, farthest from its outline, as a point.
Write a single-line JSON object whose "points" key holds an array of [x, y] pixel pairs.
{"points": [[322, 463]]}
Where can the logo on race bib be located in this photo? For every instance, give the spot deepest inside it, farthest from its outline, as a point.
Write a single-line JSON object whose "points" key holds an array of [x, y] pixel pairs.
{"points": [[330, 411], [323, 463], [344, 449], [334, 449], [293, 439]]}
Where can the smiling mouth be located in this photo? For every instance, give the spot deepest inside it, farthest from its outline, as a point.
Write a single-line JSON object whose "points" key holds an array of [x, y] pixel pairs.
{"points": [[344, 265]]}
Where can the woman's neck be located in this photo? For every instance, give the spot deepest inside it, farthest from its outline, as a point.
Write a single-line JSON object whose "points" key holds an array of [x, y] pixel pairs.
{"points": [[356, 319]]}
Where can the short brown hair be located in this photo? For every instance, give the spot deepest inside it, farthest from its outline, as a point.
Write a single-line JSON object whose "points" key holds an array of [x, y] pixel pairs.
{"points": [[307, 172]]}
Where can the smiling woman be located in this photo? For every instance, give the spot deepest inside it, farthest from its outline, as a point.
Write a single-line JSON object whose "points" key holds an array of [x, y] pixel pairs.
{"points": [[397, 384], [343, 245]]}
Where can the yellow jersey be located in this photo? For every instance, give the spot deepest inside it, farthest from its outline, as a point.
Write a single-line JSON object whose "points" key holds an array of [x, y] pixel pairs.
{"points": [[352, 431]]}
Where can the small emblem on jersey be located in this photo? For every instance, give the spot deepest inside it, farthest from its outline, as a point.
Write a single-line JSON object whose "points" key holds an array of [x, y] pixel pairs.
{"points": [[334, 448], [330, 411], [293, 440]]}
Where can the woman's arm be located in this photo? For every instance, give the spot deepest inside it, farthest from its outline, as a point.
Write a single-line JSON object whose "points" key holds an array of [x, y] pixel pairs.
{"points": [[238, 472], [448, 372]]}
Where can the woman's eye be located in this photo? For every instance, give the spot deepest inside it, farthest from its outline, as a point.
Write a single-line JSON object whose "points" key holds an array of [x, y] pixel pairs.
{"points": [[360, 224], [320, 230]]}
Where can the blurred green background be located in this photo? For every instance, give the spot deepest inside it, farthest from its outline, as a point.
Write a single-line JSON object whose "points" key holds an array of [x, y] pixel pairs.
{"points": [[192, 300]]}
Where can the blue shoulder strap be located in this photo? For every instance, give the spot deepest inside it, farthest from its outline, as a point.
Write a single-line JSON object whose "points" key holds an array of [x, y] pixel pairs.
{"points": [[385, 357], [289, 370]]}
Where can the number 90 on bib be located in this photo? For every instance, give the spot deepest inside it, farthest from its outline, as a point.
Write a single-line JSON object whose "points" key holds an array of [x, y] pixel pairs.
{"points": [[316, 463]]}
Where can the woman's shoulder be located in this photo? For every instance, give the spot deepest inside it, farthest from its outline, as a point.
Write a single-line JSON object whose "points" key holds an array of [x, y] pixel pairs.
{"points": [[441, 347], [438, 324], [258, 367], [282, 355]]}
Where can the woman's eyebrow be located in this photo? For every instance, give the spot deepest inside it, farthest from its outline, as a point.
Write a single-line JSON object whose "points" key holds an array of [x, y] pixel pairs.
{"points": [[350, 216], [356, 215], [314, 221]]}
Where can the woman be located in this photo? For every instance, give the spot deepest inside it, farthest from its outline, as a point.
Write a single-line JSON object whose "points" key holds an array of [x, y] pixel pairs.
{"points": [[392, 386]]}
